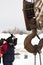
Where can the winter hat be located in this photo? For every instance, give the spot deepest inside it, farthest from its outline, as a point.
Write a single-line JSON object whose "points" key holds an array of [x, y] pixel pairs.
{"points": [[9, 40], [4, 42]]}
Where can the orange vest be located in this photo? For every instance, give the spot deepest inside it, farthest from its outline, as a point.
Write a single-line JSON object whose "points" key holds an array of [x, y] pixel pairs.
{"points": [[1, 53]]}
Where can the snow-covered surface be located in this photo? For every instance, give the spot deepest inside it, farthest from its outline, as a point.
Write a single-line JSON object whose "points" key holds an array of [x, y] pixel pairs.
{"points": [[4, 35], [19, 59]]}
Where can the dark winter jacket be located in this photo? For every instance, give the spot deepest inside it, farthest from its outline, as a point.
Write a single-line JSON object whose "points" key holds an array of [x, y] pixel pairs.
{"points": [[9, 56]]}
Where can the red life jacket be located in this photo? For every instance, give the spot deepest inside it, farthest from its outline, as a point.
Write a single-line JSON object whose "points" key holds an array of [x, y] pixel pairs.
{"points": [[4, 47]]}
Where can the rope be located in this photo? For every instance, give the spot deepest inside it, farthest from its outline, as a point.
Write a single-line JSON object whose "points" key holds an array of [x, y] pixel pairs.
{"points": [[40, 59], [38, 9]]}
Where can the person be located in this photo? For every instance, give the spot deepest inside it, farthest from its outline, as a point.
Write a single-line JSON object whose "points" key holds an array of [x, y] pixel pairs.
{"points": [[0, 50], [3, 47], [8, 58]]}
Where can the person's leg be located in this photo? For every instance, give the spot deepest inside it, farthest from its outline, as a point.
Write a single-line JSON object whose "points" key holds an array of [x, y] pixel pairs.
{"points": [[7, 63], [0, 59], [10, 63], [4, 63]]}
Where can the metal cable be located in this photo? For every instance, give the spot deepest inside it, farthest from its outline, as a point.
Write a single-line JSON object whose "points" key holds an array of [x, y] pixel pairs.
{"points": [[38, 36], [40, 58], [34, 59]]}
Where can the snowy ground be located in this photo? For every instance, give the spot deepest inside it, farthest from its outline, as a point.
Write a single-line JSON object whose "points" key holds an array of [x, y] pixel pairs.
{"points": [[25, 58]]}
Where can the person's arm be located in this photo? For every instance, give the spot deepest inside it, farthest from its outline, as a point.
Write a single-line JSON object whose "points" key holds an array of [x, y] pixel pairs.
{"points": [[15, 41]]}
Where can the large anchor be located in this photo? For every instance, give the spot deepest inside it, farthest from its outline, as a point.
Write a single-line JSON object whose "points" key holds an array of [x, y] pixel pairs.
{"points": [[32, 24]]}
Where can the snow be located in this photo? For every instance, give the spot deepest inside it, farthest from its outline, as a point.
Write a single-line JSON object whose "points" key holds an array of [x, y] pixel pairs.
{"points": [[25, 58]]}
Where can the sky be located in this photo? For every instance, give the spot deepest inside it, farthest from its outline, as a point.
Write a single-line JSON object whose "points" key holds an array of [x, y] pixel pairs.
{"points": [[11, 14]]}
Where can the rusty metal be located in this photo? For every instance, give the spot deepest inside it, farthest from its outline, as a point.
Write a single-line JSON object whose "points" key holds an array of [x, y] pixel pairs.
{"points": [[31, 25]]}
